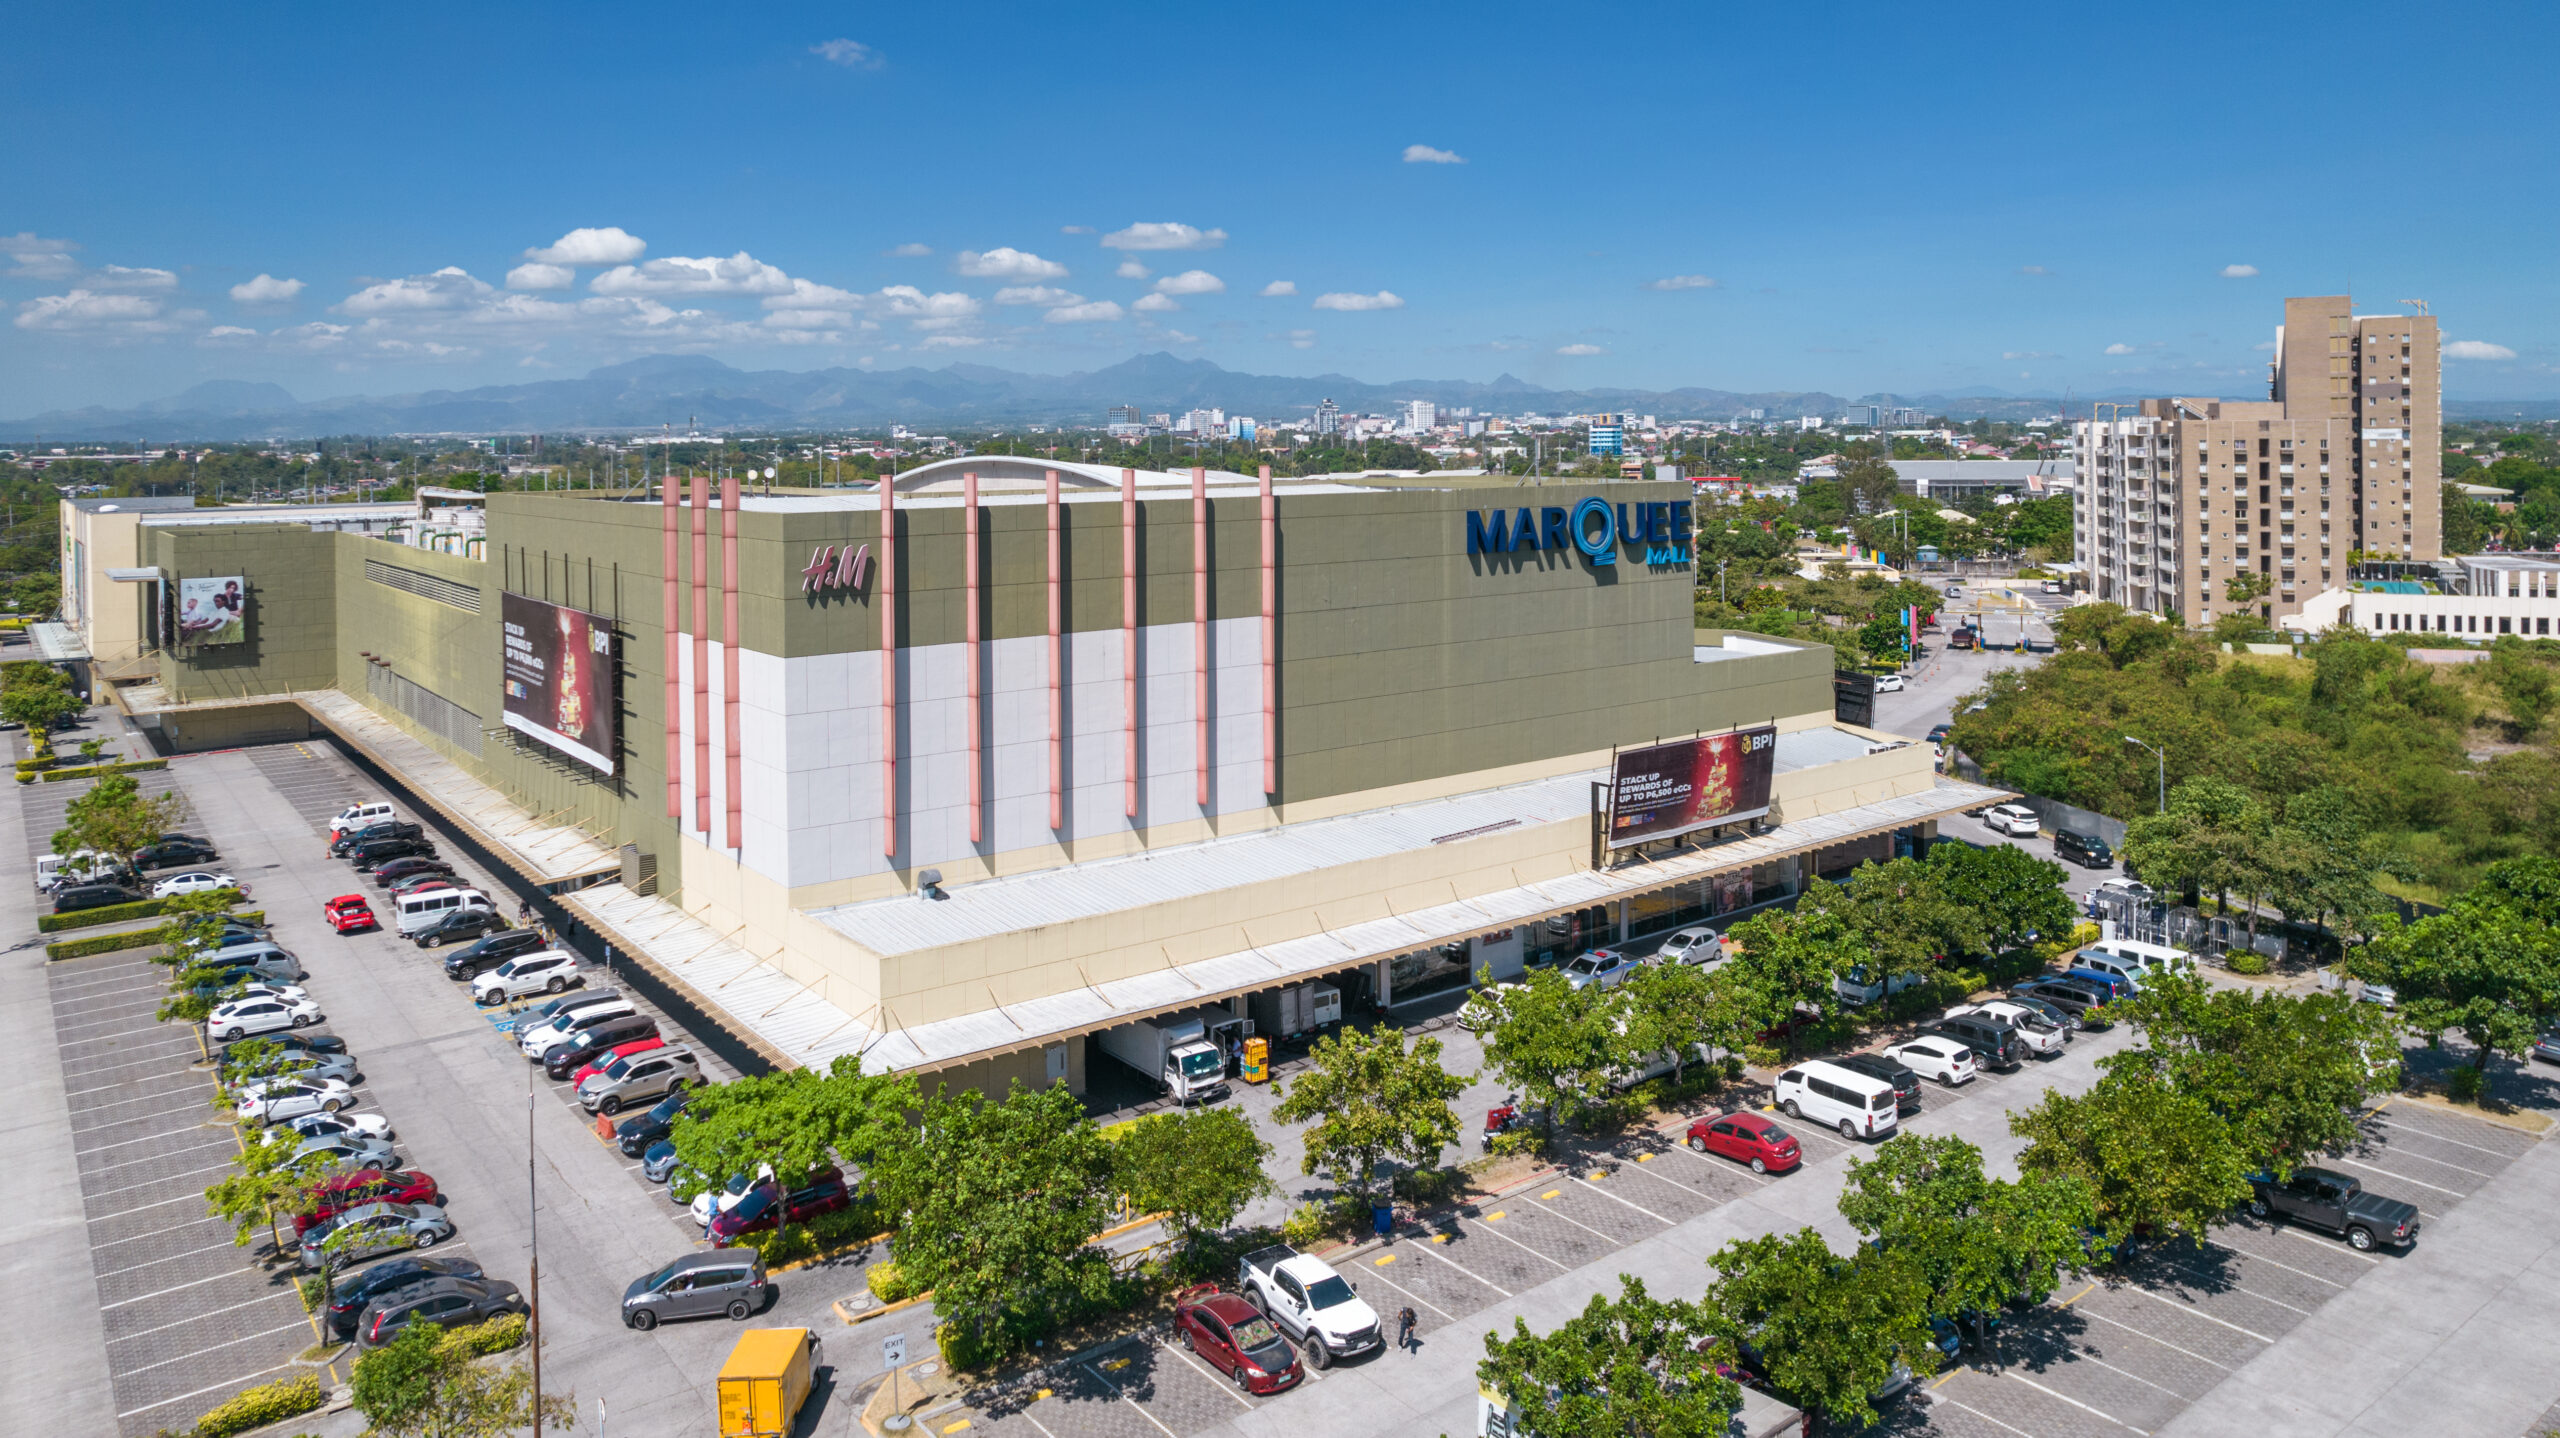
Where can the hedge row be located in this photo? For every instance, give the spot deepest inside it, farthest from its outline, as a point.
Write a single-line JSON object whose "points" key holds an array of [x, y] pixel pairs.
{"points": [[111, 914], [826, 1236], [88, 771], [132, 939], [257, 1407]]}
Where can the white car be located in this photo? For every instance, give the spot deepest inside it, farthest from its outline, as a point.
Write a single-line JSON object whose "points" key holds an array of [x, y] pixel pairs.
{"points": [[2053, 586], [196, 881], [2015, 820], [2043, 1037], [538, 1039], [343, 1125], [727, 1198], [1945, 1060], [348, 1150], [544, 971], [1699, 944], [261, 1015], [1888, 684], [280, 1099], [1483, 1008]]}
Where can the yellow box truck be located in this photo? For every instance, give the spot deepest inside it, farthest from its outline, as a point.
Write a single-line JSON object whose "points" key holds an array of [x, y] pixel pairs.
{"points": [[765, 1381]]}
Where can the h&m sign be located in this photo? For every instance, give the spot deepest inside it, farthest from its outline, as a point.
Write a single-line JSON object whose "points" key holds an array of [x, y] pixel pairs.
{"points": [[1595, 527], [834, 568]]}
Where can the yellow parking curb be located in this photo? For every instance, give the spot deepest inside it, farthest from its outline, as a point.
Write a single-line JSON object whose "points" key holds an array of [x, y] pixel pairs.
{"points": [[870, 1313]]}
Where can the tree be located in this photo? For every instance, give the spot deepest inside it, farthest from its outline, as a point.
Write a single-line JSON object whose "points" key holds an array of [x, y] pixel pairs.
{"points": [[1979, 1242], [1884, 639], [1555, 1045], [1198, 1168], [1786, 961], [2488, 968], [1869, 481], [2155, 1158], [1902, 915], [2014, 895], [997, 1203], [1372, 1100], [40, 708], [420, 1386], [113, 818], [1830, 1330], [267, 1181], [2246, 586], [776, 1122], [1631, 1366], [1674, 1008], [2288, 1075]]}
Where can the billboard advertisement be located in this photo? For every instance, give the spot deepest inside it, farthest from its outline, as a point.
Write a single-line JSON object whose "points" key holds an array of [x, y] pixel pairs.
{"points": [[1688, 784], [557, 684], [213, 611]]}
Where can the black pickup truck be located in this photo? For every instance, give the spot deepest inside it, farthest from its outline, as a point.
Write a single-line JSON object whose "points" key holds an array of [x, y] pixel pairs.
{"points": [[2325, 1198]]}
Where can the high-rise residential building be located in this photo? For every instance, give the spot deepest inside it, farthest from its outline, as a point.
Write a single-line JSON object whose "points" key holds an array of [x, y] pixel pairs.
{"points": [[1608, 434], [2179, 497], [1420, 416], [1328, 417], [1122, 414]]}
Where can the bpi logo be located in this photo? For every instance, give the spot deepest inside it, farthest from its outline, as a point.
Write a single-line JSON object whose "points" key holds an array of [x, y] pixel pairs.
{"points": [[833, 568], [1594, 527]]}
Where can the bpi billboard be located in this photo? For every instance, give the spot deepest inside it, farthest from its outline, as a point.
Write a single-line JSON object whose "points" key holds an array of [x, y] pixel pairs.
{"points": [[1595, 527], [1668, 789]]}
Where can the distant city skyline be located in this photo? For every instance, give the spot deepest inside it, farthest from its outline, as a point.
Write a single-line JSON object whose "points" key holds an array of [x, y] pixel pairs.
{"points": [[349, 207]]}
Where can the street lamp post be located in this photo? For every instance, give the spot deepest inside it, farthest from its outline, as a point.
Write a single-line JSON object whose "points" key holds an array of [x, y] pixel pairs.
{"points": [[2164, 771]]}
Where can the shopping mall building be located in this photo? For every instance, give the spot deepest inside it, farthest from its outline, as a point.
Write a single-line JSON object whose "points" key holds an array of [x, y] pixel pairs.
{"points": [[959, 775]]}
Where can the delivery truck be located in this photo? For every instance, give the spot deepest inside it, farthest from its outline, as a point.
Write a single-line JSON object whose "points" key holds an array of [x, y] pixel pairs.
{"points": [[1298, 1012], [765, 1381], [1185, 1055]]}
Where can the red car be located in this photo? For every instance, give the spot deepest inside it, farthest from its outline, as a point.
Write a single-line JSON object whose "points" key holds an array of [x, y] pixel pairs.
{"points": [[419, 884], [1747, 1138], [350, 914], [353, 1190], [1231, 1337], [764, 1206], [597, 1065]]}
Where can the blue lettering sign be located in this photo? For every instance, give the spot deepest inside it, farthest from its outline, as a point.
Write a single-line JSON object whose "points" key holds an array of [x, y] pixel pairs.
{"points": [[1602, 547], [1551, 527], [1483, 538], [1524, 530]]}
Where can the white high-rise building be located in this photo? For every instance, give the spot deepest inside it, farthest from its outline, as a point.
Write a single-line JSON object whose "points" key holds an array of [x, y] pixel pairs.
{"points": [[1421, 416]]}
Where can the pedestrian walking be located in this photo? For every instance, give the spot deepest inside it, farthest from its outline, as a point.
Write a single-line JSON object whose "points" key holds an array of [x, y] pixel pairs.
{"points": [[1405, 1320]]}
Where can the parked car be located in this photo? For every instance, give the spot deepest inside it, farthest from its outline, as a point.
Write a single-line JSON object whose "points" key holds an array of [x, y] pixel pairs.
{"points": [[1906, 1084], [460, 926], [1888, 684], [339, 1125], [197, 881], [2065, 1017], [348, 1151], [2383, 994], [72, 898], [636, 1135], [714, 1201], [396, 870], [2015, 820], [357, 1291], [2087, 850], [2037, 1034], [233, 934], [1697, 944], [2325, 1198], [542, 971], [444, 1302], [1483, 1008], [1310, 1302], [421, 884], [1606, 967], [550, 1009], [364, 856], [1225, 1333], [243, 1017], [350, 914], [1994, 1046], [339, 1192], [658, 1164], [372, 1230], [173, 850], [598, 1062], [642, 1076], [535, 1040], [1748, 1138], [2114, 985], [347, 840], [486, 954], [599, 1045], [1938, 734], [1857, 1104], [277, 1099], [1943, 1059], [766, 1205], [360, 814], [728, 1281], [2547, 1047], [294, 1063]]}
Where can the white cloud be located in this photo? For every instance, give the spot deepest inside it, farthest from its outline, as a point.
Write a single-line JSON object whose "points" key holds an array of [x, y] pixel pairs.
{"points": [[1382, 300], [1301, 339], [909, 251], [2477, 350], [2264, 346], [607, 246], [1036, 295], [38, 258], [1580, 350], [1075, 229], [952, 342], [2119, 349], [1181, 338], [1007, 263], [1094, 310], [810, 295], [1132, 270], [224, 332], [88, 311], [311, 338], [1425, 155], [123, 277], [2034, 270], [1156, 304], [1277, 288], [1163, 235], [1681, 282], [1191, 282], [906, 302], [266, 289], [739, 274], [851, 54], [804, 319], [450, 288], [535, 275], [2239, 272]]}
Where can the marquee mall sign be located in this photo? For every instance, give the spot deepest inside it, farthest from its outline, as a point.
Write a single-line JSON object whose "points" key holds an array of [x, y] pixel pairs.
{"points": [[1595, 526]]}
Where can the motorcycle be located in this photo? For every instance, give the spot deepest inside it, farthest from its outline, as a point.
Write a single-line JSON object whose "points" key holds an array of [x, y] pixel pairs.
{"points": [[1508, 1117]]}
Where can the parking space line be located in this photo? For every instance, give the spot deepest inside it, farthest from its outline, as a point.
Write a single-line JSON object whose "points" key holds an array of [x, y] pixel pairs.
{"points": [[209, 1313], [217, 1348], [2404, 1178], [1987, 1418], [129, 1033], [130, 1162], [2253, 1293], [1096, 1370], [2155, 1338], [2074, 1402], [157, 1232], [1762, 1179], [176, 1288], [2136, 1377], [149, 1262], [2439, 1162], [1223, 1385], [1434, 1250], [1552, 1210], [1524, 1248], [146, 1004], [1648, 1171], [147, 1138], [137, 1118], [1381, 1276], [111, 1068], [2425, 1132], [208, 1388], [1638, 1207], [2326, 1246], [2200, 1313], [2287, 1267], [146, 1183]]}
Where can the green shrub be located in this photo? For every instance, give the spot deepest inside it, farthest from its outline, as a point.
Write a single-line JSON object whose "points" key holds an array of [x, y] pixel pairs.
{"points": [[1430, 1187], [267, 1403], [964, 1349], [826, 1236], [888, 1282], [86, 771], [314, 1290], [2248, 961], [2463, 1084], [479, 1340], [101, 944], [111, 914]]}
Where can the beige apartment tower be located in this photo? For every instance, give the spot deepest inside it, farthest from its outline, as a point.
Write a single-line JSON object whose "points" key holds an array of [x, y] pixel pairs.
{"points": [[2180, 496]]}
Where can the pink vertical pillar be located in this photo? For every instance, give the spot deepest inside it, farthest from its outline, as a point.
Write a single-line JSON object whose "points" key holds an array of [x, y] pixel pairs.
{"points": [[976, 725], [1129, 640], [1057, 698], [671, 623], [729, 656], [1270, 637], [1200, 696], [889, 665], [702, 655]]}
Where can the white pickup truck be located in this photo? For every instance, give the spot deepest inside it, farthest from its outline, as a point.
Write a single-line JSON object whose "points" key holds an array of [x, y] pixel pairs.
{"points": [[1311, 1303]]}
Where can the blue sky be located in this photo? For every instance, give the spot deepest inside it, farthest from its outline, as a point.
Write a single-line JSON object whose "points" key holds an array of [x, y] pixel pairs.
{"points": [[1852, 198]]}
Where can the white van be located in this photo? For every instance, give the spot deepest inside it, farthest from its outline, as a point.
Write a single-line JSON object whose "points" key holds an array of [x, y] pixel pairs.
{"points": [[419, 910], [1857, 986], [362, 816], [2133, 960], [53, 869], [1858, 1105]]}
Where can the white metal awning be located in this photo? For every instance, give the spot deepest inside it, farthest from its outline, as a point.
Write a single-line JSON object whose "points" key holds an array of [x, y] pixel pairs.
{"points": [[144, 574], [57, 643]]}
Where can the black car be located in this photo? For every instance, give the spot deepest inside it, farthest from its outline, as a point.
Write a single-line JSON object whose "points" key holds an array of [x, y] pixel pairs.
{"points": [[2062, 1015], [359, 1289], [567, 1056], [1906, 1084], [456, 926], [2057, 989], [354, 839], [173, 850], [2087, 850], [386, 875], [479, 958], [366, 855], [1995, 1046], [71, 898], [445, 1302], [635, 1136]]}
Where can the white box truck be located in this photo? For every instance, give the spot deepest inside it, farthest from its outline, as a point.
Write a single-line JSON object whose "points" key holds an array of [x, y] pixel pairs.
{"points": [[1300, 1011], [1175, 1051]]}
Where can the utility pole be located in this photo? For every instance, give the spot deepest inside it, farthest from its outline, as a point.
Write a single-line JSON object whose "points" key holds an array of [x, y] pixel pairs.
{"points": [[2164, 769], [533, 1213]]}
